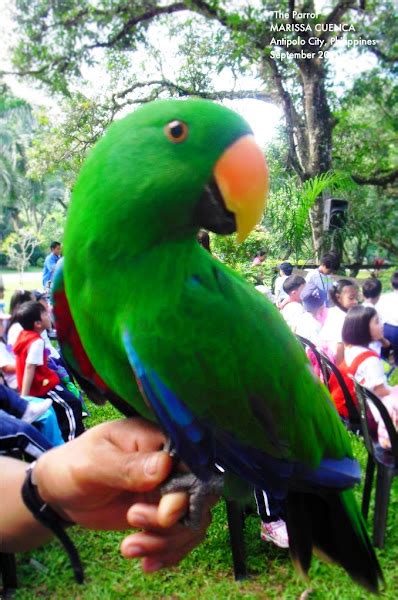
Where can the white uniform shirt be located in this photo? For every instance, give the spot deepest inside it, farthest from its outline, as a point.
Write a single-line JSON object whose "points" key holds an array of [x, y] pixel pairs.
{"points": [[387, 307], [370, 372], [292, 313], [8, 358], [309, 328]]}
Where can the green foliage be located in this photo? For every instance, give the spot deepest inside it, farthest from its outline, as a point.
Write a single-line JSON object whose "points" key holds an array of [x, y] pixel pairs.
{"points": [[365, 137], [287, 215], [27, 205]]}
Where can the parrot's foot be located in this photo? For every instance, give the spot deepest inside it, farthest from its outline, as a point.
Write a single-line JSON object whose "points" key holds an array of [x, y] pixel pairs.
{"points": [[197, 490]]}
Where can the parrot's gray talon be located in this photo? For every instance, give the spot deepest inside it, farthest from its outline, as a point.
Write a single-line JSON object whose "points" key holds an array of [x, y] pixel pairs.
{"points": [[169, 448], [197, 490]]}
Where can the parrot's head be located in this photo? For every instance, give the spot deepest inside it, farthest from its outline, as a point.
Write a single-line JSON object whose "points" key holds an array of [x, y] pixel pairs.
{"points": [[172, 166]]}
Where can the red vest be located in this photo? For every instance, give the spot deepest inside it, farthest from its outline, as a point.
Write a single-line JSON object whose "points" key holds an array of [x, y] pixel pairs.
{"points": [[45, 379], [334, 387]]}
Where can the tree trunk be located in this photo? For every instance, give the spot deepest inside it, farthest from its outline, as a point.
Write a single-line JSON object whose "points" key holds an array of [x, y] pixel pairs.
{"points": [[316, 157]]}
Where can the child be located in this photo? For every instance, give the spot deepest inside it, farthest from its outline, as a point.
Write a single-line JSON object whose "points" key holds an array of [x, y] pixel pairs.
{"points": [[310, 323], [344, 295], [29, 411], [371, 291], [388, 309], [362, 326], [259, 258], [321, 276], [285, 270], [14, 328], [293, 310], [34, 376]]}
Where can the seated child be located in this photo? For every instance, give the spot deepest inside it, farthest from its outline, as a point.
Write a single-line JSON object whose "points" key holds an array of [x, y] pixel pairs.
{"points": [[344, 295], [16, 434], [362, 326], [293, 310], [285, 270], [34, 376], [31, 410], [371, 291], [310, 323]]}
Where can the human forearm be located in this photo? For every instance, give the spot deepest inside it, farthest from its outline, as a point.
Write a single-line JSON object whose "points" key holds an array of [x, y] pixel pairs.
{"points": [[28, 375], [381, 390], [339, 353], [19, 530]]}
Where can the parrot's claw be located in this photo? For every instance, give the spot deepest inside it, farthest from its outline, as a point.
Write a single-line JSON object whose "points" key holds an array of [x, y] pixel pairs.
{"points": [[169, 448], [197, 490]]}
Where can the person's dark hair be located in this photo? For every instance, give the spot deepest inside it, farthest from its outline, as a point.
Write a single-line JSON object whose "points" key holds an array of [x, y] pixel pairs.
{"points": [[371, 288], [54, 245], [29, 313], [262, 253], [394, 280], [204, 239], [337, 288], [18, 298], [292, 283], [286, 268], [356, 330], [331, 261]]}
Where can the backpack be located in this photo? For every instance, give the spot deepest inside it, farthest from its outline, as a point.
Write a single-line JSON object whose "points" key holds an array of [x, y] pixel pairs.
{"points": [[335, 389]]}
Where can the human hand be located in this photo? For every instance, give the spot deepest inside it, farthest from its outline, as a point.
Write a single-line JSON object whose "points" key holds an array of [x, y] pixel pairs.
{"points": [[108, 478]]}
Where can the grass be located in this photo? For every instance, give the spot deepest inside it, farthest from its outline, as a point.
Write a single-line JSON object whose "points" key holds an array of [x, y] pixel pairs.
{"points": [[31, 281], [206, 572]]}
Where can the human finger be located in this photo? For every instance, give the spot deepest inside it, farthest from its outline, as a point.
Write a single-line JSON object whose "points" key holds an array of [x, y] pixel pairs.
{"points": [[165, 546], [146, 516]]}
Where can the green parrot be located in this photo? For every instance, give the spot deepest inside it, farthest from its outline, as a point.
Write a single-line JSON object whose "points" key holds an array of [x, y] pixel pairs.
{"points": [[150, 320]]}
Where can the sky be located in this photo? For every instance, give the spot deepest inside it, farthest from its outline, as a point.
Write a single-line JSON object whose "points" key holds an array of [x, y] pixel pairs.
{"points": [[263, 117]]}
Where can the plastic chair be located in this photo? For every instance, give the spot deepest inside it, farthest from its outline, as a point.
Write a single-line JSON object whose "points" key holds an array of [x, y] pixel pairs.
{"points": [[307, 345], [328, 367], [236, 522], [8, 571], [385, 460]]}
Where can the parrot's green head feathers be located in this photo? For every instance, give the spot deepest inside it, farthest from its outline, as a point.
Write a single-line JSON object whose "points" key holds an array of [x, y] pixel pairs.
{"points": [[167, 169]]}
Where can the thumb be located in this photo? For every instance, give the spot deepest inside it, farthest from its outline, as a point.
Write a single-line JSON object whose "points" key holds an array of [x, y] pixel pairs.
{"points": [[143, 471]]}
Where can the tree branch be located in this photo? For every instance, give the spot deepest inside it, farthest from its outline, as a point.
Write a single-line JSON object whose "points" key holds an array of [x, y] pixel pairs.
{"points": [[381, 179], [296, 138], [133, 22], [167, 85], [334, 18]]}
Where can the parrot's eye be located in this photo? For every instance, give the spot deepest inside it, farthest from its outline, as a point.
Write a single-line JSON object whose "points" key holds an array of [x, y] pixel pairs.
{"points": [[176, 131]]}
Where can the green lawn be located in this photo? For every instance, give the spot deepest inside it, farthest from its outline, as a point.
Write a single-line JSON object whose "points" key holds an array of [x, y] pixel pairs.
{"points": [[205, 573], [11, 279]]}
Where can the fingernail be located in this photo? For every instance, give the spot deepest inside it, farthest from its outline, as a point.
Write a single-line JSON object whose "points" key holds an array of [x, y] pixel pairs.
{"points": [[151, 464], [134, 550], [138, 521], [152, 565]]}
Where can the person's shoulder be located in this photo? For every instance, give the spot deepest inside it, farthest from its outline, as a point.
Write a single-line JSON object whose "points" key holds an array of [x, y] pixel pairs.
{"points": [[311, 275]]}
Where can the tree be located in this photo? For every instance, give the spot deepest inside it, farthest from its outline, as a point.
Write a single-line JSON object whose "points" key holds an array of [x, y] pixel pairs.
{"points": [[19, 248], [25, 203], [58, 39]]}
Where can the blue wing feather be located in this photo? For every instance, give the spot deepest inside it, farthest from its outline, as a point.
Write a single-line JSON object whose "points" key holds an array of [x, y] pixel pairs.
{"points": [[200, 445]]}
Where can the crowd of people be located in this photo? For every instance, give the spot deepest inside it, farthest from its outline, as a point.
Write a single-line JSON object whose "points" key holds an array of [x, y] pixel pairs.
{"points": [[356, 328]]}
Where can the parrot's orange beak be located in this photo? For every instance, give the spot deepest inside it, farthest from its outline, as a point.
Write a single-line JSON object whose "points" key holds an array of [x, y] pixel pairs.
{"points": [[241, 175]]}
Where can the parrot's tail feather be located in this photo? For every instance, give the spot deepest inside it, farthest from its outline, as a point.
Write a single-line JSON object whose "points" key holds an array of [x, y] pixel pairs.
{"points": [[332, 525]]}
